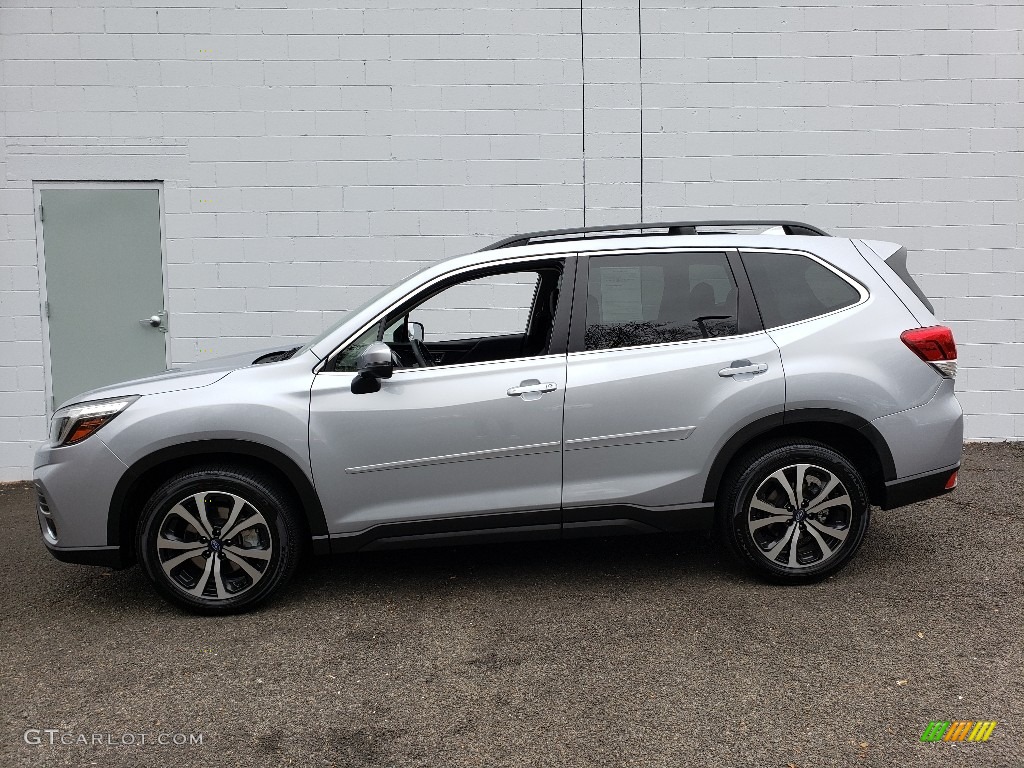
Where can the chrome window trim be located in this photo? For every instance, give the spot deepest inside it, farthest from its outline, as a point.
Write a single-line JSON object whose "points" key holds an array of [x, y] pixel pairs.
{"points": [[454, 366], [665, 344], [458, 271], [458, 366]]}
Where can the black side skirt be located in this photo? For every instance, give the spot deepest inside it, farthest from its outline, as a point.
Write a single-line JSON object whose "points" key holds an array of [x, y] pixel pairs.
{"points": [[575, 522]]}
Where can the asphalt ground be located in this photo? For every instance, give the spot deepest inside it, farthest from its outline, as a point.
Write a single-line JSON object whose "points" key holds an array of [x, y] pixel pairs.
{"points": [[619, 652]]}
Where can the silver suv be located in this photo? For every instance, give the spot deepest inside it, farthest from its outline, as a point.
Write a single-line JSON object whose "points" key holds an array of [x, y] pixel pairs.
{"points": [[758, 377]]}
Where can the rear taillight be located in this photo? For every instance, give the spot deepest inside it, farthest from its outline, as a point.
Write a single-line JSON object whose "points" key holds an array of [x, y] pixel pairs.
{"points": [[935, 346]]}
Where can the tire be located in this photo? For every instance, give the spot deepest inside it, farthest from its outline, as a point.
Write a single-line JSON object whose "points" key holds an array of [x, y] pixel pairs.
{"points": [[233, 568], [766, 480]]}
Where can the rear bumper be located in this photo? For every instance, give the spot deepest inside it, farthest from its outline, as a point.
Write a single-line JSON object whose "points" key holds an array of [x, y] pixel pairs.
{"points": [[910, 490], [926, 438], [107, 557]]}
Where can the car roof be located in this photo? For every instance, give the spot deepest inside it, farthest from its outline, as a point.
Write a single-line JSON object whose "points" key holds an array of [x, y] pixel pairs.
{"points": [[591, 245], [676, 228], [646, 235]]}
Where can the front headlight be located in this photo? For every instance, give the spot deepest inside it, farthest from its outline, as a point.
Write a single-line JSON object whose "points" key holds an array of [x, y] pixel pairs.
{"points": [[74, 423]]}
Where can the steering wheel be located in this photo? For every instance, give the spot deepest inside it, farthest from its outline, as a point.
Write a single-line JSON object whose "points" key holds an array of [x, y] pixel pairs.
{"points": [[702, 323], [422, 354]]}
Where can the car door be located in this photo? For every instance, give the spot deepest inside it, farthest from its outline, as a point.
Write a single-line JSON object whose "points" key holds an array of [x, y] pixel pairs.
{"points": [[450, 446], [667, 358]]}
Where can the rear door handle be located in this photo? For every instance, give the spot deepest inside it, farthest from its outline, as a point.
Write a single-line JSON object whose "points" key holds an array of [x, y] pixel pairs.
{"points": [[527, 388], [741, 369]]}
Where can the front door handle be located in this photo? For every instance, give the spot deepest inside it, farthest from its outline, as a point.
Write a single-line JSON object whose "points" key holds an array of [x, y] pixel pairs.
{"points": [[532, 387], [741, 369]]}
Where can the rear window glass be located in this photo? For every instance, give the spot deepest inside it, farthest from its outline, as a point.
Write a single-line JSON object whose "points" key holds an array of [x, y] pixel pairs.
{"points": [[790, 287], [654, 298]]}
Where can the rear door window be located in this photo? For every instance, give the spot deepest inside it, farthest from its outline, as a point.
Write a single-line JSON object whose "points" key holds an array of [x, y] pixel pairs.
{"points": [[655, 298], [790, 287]]}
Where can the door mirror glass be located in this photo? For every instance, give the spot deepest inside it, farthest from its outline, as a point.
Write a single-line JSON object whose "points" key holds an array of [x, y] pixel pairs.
{"points": [[414, 331]]}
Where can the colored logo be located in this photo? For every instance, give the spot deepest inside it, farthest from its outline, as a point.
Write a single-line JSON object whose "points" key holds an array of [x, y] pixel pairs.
{"points": [[959, 730]]}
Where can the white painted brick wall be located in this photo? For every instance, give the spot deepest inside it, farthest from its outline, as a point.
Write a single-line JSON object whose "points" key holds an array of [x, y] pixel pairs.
{"points": [[896, 121], [311, 153]]}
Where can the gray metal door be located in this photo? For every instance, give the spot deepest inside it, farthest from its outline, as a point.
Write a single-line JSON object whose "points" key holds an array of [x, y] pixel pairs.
{"points": [[104, 274]]}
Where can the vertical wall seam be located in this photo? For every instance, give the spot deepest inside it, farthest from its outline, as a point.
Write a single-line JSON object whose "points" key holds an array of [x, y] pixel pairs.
{"points": [[640, 85], [583, 114]]}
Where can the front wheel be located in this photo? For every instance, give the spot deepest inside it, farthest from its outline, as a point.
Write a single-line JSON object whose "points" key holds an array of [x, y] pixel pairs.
{"points": [[795, 511], [218, 539]]}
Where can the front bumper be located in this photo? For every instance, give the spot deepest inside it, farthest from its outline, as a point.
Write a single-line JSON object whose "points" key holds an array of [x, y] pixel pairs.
{"points": [[75, 485]]}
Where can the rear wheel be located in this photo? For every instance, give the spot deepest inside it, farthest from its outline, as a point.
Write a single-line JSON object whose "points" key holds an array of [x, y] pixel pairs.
{"points": [[795, 510], [218, 539]]}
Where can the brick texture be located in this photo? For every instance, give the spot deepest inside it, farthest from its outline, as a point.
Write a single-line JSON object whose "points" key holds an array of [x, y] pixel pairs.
{"points": [[310, 153]]}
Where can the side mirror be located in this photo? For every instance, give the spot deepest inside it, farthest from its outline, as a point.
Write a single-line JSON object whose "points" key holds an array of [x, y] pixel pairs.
{"points": [[376, 361], [373, 364], [414, 331]]}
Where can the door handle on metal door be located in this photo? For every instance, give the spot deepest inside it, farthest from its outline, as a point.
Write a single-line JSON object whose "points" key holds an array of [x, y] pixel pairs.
{"points": [[158, 321], [741, 369], [527, 388]]}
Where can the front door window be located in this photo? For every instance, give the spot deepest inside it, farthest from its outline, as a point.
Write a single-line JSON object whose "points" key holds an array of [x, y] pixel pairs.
{"points": [[484, 317]]}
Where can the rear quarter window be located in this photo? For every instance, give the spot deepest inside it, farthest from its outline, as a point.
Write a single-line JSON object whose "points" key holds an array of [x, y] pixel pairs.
{"points": [[789, 287]]}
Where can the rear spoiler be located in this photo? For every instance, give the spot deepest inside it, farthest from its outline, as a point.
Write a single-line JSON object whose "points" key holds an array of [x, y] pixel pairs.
{"points": [[895, 258], [898, 264]]}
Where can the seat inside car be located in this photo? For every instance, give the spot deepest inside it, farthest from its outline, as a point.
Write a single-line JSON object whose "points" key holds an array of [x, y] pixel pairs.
{"points": [[701, 301]]}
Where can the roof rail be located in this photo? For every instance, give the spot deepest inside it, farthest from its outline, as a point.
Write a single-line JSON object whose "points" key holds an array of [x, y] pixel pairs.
{"points": [[673, 227]]}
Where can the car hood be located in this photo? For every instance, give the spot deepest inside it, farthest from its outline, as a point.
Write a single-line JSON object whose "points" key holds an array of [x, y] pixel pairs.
{"points": [[199, 374], [228, 362]]}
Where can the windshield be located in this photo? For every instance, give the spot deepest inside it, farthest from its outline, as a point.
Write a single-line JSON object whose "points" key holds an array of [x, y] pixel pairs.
{"points": [[352, 312]]}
